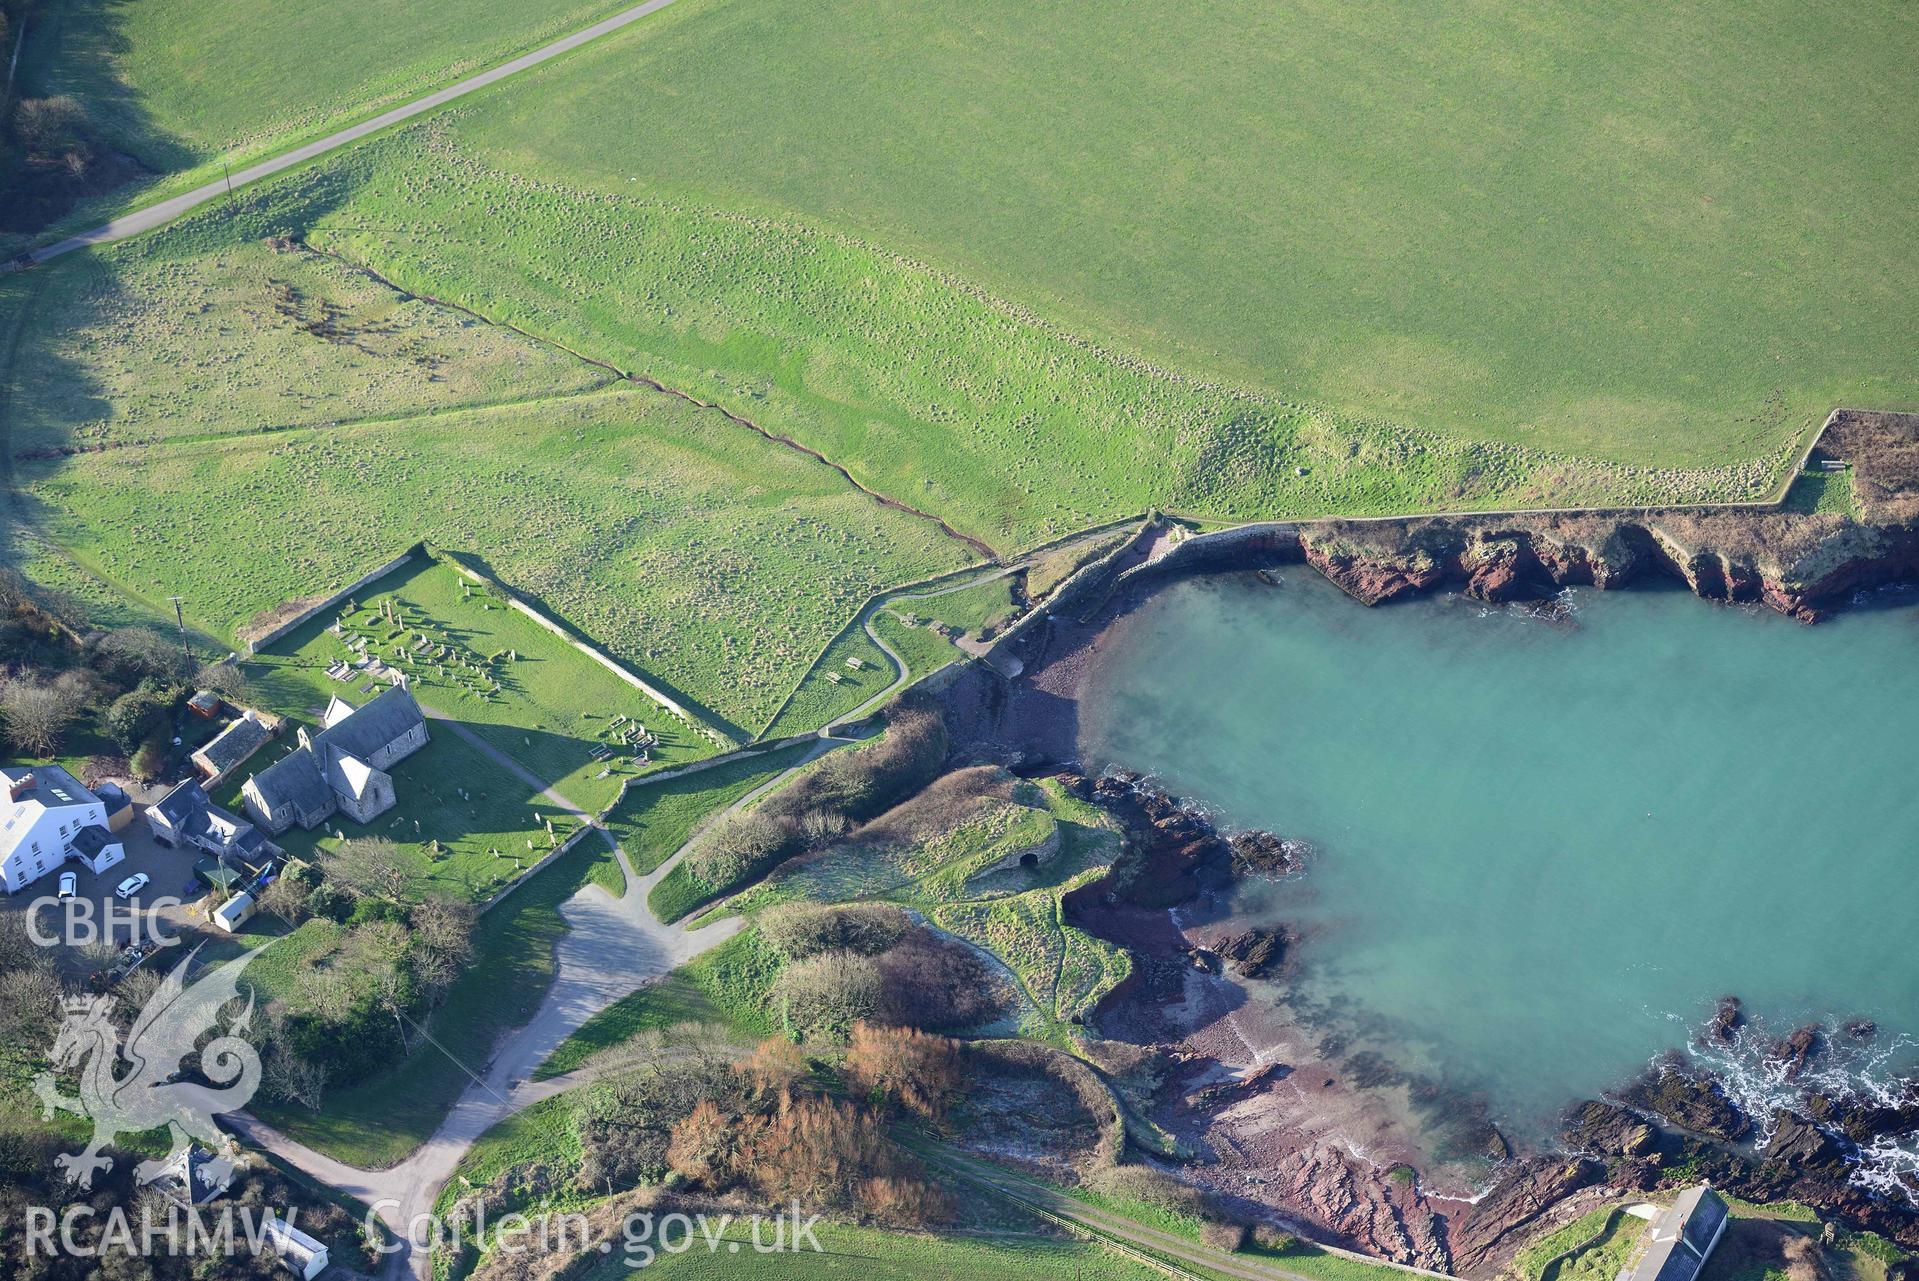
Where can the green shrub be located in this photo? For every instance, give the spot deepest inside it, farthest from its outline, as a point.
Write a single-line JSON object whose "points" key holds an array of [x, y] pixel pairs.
{"points": [[740, 848], [801, 930], [138, 714], [826, 995], [1277, 1240]]}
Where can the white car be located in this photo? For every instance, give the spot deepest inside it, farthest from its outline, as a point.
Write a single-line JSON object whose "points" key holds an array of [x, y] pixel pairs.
{"points": [[132, 885], [69, 885]]}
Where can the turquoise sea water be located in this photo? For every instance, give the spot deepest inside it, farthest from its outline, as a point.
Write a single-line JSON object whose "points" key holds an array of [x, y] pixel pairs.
{"points": [[1545, 850]]}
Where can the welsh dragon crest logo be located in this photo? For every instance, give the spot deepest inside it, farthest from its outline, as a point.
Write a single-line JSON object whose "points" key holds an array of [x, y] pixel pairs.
{"points": [[168, 1030]]}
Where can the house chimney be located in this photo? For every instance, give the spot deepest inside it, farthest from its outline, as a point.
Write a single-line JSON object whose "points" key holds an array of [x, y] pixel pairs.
{"points": [[20, 787]]}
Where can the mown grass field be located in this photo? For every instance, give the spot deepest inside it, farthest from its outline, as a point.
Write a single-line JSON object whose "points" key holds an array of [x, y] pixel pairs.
{"points": [[974, 609], [1613, 231], [490, 825]]}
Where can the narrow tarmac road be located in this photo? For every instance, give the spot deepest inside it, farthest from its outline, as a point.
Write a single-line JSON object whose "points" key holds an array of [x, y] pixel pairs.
{"points": [[166, 211]]}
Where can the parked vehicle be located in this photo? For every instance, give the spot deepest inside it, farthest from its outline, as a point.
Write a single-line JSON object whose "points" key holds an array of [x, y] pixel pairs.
{"points": [[69, 885], [132, 885]]}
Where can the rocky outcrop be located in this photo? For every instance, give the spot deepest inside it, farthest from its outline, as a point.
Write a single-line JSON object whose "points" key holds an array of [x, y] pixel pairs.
{"points": [[1258, 853], [1689, 1100], [1345, 1200], [1794, 1053], [1515, 1203], [1679, 1117], [1374, 577], [1804, 564], [1726, 1021], [1607, 1130], [1257, 953], [1173, 851]]}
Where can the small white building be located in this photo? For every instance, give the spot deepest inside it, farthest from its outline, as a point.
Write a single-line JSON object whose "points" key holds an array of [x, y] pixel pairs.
{"points": [[235, 912], [1676, 1245], [49, 819], [298, 1251]]}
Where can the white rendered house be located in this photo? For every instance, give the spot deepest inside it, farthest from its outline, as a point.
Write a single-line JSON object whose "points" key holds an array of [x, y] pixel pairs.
{"points": [[50, 819]]}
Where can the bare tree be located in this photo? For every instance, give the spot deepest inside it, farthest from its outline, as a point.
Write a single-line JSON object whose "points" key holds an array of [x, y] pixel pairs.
{"points": [[284, 1073], [373, 865], [37, 714], [289, 898], [225, 679], [445, 925]]}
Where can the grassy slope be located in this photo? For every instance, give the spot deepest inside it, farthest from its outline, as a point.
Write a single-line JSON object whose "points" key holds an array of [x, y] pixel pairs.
{"points": [[1662, 235], [672, 537], [819, 698], [654, 820]]}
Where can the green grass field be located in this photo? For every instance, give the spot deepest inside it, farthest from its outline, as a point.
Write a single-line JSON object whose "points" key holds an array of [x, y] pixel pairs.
{"points": [[1606, 231], [147, 343], [958, 401], [973, 609], [675, 539], [832, 688]]}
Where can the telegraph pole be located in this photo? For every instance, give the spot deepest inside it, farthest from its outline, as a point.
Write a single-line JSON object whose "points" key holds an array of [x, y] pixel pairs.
{"points": [[180, 618], [227, 169]]}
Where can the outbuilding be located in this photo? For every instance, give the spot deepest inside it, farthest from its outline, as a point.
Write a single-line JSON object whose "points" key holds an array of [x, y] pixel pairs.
{"points": [[235, 912]]}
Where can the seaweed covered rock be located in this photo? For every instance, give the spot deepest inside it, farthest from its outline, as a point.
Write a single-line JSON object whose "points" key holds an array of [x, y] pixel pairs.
{"points": [[1690, 1100], [1256, 953], [1607, 1130]]}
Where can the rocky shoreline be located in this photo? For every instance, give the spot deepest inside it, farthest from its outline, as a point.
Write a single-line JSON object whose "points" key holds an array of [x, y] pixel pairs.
{"points": [[1309, 1133], [1301, 1130], [1803, 564]]}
